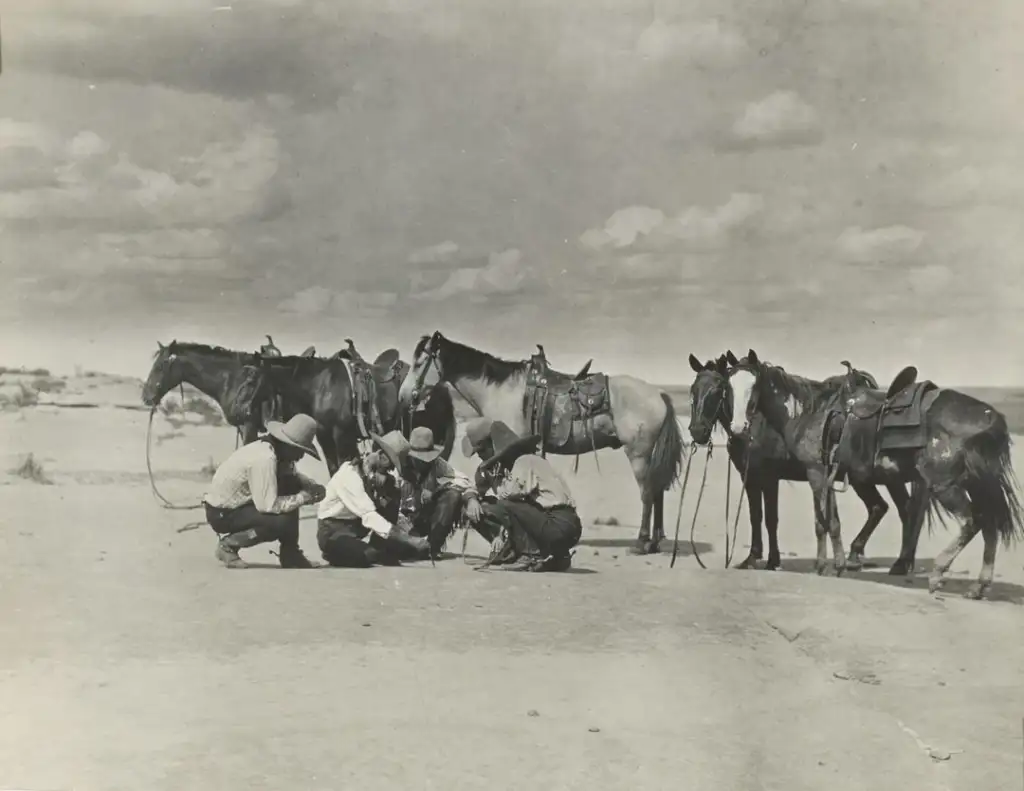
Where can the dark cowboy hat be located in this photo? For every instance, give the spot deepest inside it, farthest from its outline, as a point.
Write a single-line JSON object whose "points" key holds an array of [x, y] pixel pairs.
{"points": [[477, 430], [508, 445]]}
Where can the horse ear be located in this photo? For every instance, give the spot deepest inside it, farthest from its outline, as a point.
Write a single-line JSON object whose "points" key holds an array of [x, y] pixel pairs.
{"points": [[752, 358], [160, 345], [721, 364], [731, 358], [695, 364]]}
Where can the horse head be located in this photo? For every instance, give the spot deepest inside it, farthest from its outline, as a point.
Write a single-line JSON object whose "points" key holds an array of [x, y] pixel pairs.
{"points": [[709, 396], [165, 374], [425, 371]]}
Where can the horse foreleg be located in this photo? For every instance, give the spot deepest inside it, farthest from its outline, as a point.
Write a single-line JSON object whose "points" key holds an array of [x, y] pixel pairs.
{"points": [[753, 487], [770, 492], [912, 514], [330, 451], [877, 509]]}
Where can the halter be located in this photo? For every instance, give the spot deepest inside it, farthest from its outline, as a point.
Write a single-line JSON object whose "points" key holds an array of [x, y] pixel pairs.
{"points": [[431, 351]]}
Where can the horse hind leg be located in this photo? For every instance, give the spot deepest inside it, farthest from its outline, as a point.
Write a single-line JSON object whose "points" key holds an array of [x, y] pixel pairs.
{"points": [[644, 544], [877, 509], [823, 498], [956, 501], [753, 488]]}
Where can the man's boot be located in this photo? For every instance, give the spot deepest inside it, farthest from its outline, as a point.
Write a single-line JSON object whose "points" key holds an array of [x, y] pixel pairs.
{"points": [[228, 546], [291, 557], [417, 546]]}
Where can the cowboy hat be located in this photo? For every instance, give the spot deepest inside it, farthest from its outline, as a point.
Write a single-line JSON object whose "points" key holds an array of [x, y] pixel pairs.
{"points": [[508, 445], [477, 430], [394, 445], [421, 444], [297, 432]]}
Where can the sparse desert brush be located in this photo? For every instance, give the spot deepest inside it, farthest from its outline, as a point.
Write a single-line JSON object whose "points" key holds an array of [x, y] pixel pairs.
{"points": [[48, 384], [24, 396], [209, 413], [606, 520], [32, 470]]}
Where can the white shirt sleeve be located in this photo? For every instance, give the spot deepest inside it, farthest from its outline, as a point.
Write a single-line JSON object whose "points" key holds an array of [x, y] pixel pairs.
{"points": [[348, 485], [262, 475]]}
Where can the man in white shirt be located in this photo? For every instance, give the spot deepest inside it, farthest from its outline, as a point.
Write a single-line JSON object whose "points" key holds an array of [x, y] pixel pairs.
{"points": [[256, 493], [363, 499]]}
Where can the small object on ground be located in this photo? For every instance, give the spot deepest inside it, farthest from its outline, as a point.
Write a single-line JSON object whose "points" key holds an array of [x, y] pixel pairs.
{"points": [[594, 730], [367, 624], [533, 713]]}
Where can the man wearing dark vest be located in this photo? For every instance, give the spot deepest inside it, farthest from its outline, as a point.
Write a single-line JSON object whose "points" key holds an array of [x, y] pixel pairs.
{"points": [[256, 494], [434, 493]]}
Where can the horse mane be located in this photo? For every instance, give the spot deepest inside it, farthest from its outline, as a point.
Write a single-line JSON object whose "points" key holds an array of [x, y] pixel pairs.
{"points": [[463, 360], [813, 395], [202, 348]]}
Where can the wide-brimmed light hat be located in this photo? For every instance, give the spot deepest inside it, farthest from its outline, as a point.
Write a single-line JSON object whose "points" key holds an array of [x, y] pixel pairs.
{"points": [[298, 432], [393, 444], [477, 430], [508, 445], [421, 444]]}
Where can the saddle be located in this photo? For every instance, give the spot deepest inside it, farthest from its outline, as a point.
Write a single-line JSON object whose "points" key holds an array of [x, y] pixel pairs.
{"points": [[245, 396], [558, 407], [366, 377], [871, 422]]}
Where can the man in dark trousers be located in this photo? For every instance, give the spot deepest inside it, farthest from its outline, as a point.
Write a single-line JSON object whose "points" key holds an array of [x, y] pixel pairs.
{"points": [[532, 501], [256, 493], [434, 494], [362, 500]]}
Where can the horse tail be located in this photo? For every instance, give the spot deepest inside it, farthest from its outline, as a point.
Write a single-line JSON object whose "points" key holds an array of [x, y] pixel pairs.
{"points": [[665, 462], [991, 481]]}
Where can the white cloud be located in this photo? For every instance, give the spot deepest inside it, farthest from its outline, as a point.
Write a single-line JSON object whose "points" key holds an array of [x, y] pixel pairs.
{"points": [[624, 227], [708, 43], [879, 245], [438, 253], [93, 183], [696, 228], [504, 273], [319, 299], [782, 118]]}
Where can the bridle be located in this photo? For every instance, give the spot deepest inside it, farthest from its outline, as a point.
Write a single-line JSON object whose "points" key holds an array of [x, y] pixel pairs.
{"points": [[432, 352]]}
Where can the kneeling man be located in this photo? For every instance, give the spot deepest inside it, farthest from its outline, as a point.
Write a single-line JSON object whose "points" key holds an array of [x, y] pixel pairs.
{"points": [[363, 499], [256, 493], [434, 494], [532, 501]]}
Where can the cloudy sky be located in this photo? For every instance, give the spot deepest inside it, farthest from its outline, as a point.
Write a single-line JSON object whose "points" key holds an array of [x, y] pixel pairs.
{"points": [[624, 180]]}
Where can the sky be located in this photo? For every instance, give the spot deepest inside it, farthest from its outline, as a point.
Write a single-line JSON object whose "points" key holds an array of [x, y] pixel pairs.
{"points": [[628, 181]]}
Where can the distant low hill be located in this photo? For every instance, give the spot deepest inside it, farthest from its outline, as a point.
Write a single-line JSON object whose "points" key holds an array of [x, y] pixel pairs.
{"points": [[20, 387]]}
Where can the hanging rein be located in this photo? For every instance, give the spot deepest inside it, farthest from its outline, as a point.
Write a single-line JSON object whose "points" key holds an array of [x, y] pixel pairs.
{"points": [[729, 546]]}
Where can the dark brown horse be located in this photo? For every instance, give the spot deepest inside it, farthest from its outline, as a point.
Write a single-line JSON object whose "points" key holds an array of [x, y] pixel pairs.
{"points": [[762, 452], [642, 419], [962, 466], [320, 388]]}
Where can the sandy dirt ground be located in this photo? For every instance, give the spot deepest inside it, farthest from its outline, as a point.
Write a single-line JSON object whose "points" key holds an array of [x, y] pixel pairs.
{"points": [[131, 659]]}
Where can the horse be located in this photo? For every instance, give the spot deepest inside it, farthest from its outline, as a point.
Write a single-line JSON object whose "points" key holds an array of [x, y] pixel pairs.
{"points": [[761, 454], [318, 387], [638, 417], [961, 464]]}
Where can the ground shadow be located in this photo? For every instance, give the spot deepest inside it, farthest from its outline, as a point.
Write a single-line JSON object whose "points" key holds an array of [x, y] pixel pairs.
{"points": [[685, 548], [476, 560], [877, 571]]}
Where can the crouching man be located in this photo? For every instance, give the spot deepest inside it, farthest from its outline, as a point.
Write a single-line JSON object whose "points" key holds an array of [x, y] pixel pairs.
{"points": [[434, 494], [256, 493], [363, 499], [532, 503]]}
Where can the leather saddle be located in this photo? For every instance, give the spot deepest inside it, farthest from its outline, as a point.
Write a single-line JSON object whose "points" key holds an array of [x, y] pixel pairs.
{"points": [[557, 405], [871, 421], [245, 396]]}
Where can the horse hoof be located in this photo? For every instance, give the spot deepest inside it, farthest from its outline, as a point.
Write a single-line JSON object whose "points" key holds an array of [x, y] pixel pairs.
{"points": [[975, 593], [653, 548], [639, 548], [773, 564], [901, 569], [750, 562], [934, 586]]}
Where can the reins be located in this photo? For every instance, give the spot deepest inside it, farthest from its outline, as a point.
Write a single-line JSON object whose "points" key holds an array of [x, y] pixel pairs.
{"points": [[682, 496], [729, 549]]}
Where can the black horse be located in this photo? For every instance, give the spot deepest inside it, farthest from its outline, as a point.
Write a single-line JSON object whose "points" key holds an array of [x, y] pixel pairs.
{"points": [[321, 388]]}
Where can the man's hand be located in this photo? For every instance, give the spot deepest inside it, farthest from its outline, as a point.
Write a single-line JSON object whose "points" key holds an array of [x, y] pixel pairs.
{"points": [[316, 493], [426, 497], [473, 511]]}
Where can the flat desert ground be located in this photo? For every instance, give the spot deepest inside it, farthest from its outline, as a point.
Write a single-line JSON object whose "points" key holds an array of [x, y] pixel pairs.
{"points": [[131, 659]]}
